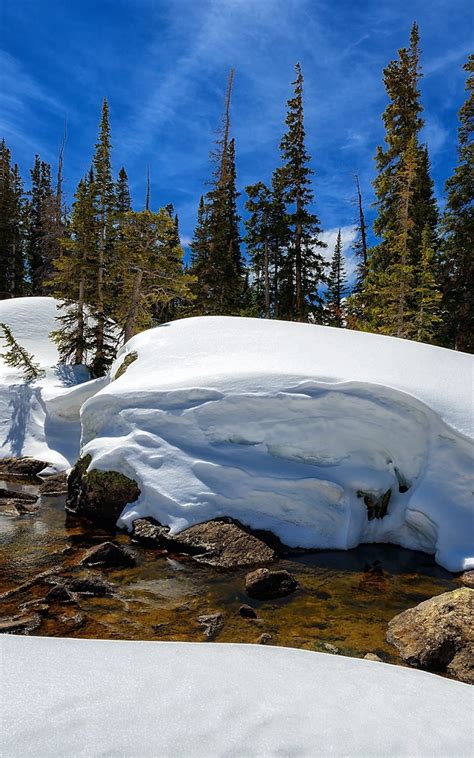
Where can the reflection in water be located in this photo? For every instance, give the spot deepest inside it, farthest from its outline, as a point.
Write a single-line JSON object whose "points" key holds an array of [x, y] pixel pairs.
{"points": [[345, 598]]}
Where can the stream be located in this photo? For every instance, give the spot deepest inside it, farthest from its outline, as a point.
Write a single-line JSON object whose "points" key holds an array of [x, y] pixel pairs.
{"points": [[343, 605]]}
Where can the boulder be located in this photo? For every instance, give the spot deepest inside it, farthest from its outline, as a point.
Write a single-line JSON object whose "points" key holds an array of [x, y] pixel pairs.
{"points": [[438, 634], [99, 496], [20, 624], [222, 543], [264, 584], [108, 555], [372, 657], [264, 639]]}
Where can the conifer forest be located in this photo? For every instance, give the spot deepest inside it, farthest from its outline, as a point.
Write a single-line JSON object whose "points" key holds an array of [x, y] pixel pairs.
{"points": [[118, 266]]}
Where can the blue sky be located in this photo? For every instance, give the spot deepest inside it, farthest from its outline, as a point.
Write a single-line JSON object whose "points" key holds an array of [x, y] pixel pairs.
{"points": [[163, 67]]}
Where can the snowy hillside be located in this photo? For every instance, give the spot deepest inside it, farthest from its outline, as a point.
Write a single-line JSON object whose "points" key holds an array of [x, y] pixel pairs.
{"points": [[40, 419], [293, 428]]}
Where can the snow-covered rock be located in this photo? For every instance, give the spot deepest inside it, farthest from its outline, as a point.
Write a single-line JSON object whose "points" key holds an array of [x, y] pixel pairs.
{"points": [[91, 698], [293, 428], [40, 419]]}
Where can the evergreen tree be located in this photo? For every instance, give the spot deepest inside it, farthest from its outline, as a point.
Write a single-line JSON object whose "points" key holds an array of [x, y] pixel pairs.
{"points": [[41, 217], [151, 269], [74, 277], [405, 203], [219, 267], [12, 228], [305, 266], [428, 294], [17, 357], [360, 246], [336, 287], [457, 262], [122, 193], [257, 240], [105, 201]]}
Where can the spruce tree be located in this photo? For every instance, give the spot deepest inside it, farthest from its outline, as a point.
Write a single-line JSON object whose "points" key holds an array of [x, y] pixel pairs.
{"points": [[457, 261], [360, 246], [305, 266], [219, 267], [41, 219], [74, 277], [105, 201], [151, 269], [428, 315], [336, 287], [12, 228], [17, 357], [122, 193], [257, 242], [405, 203]]}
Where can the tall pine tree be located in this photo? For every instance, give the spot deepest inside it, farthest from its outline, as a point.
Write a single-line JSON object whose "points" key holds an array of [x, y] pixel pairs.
{"points": [[12, 228], [457, 262], [336, 287], [304, 268]]}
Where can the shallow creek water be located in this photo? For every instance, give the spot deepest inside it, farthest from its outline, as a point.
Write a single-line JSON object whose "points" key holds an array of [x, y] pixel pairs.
{"points": [[342, 601]]}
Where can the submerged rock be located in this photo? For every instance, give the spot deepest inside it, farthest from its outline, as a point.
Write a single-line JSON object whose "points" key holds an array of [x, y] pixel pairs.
{"points": [[108, 555], [14, 503], [264, 584], [438, 634], [55, 485], [247, 612], [212, 623], [23, 467], [223, 543], [99, 496], [265, 639]]}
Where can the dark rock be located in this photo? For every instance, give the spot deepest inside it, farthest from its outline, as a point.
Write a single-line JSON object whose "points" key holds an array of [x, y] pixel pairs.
{"points": [[25, 467], [265, 639], [212, 623], [264, 584], [99, 496], [438, 634], [109, 555], [247, 612], [20, 624], [60, 594], [377, 507], [55, 485], [468, 579], [24, 497], [222, 543], [14, 503], [90, 586], [322, 595]]}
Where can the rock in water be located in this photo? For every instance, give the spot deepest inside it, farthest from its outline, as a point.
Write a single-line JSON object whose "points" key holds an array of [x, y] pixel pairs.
{"points": [[247, 612], [23, 467], [54, 485], [438, 634], [108, 555], [212, 623], [99, 496], [264, 584], [222, 543]]}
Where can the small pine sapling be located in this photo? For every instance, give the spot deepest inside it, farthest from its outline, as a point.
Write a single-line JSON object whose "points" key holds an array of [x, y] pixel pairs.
{"points": [[17, 357]]}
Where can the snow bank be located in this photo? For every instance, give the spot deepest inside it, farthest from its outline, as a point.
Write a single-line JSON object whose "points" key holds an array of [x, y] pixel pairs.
{"points": [[41, 418], [287, 427], [69, 697]]}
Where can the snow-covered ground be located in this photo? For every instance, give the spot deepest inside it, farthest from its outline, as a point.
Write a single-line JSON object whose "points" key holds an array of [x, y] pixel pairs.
{"points": [[41, 418], [64, 698], [284, 425]]}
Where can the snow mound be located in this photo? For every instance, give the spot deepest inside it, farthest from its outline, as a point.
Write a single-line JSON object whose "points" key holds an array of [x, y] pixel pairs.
{"points": [[293, 428], [40, 419], [72, 697]]}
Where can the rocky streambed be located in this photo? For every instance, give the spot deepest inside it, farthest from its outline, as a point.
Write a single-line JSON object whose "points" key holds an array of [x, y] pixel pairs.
{"points": [[64, 576]]}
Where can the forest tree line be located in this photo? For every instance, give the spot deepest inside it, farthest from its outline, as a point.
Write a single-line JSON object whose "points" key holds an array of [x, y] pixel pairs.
{"points": [[118, 271]]}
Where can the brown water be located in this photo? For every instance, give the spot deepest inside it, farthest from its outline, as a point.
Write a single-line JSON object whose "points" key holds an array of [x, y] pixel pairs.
{"points": [[341, 602]]}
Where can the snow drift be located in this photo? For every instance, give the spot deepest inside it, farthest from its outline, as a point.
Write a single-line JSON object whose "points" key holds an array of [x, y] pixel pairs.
{"points": [[70, 697], [293, 428], [40, 419]]}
